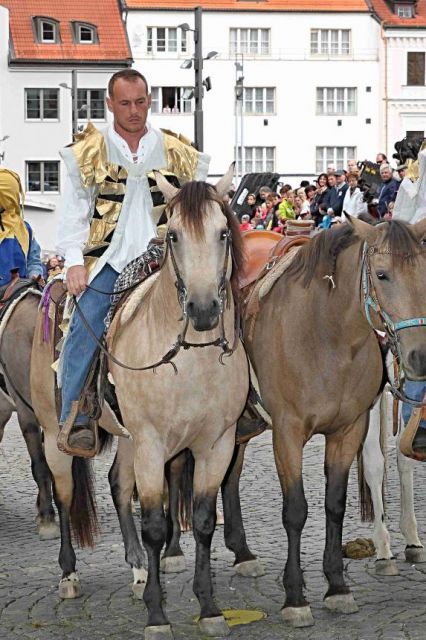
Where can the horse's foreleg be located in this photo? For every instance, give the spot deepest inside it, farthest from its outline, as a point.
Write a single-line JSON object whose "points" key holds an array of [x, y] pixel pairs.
{"points": [[246, 564], [122, 483], [46, 525], [414, 551], [288, 451], [173, 560], [374, 470], [63, 487], [340, 451], [210, 467], [149, 472]]}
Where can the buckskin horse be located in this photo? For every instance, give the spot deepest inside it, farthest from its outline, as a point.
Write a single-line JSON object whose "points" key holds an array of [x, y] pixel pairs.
{"points": [[17, 331], [321, 368], [193, 403]]}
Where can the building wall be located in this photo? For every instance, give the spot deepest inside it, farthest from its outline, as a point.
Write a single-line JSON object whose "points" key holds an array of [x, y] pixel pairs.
{"points": [[295, 129]]}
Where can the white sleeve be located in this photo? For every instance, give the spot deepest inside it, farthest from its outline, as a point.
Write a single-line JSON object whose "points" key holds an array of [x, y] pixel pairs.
{"points": [[73, 224]]}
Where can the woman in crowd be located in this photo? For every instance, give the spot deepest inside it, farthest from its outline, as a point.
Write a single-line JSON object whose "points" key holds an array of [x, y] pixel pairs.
{"points": [[318, 198], [353, 202]]}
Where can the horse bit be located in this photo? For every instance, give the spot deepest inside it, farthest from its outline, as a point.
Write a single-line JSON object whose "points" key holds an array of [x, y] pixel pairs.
{"points": [[391, 328]]}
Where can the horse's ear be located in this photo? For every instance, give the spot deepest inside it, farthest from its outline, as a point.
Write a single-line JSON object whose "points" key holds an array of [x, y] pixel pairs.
{"points": [[362, 229], [225, 182], [167, 189], [420, 229]]}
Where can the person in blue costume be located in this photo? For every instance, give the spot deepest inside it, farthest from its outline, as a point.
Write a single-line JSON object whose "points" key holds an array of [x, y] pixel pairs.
{"points": [[19, 250]]}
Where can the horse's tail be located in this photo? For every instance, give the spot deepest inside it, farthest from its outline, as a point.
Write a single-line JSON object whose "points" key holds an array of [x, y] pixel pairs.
{"points": [[105, 440], [84, 520], [186, 492]]}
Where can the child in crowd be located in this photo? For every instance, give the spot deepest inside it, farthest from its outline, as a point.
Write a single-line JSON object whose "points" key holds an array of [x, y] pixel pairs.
{"points": [[245, 223]]}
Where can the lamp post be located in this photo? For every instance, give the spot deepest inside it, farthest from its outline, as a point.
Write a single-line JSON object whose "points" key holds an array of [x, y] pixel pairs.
{"points": [[239, 110], [198, 69], [74, 98], [3, 152]]}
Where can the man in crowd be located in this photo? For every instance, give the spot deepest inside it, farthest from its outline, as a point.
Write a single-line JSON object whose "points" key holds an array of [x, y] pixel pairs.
{"points": [[336, 192], [389, 189]]}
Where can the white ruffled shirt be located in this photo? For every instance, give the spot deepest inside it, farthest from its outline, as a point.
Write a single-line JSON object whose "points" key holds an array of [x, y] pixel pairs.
{"points": [[135, 227]]}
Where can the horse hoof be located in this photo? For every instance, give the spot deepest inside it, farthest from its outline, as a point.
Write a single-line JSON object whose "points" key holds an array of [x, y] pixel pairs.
{"points": [[250, 569], [159, 632], [298, 616], [48, 531], [342, 603], [173, 564], [214, 627], [386, 567], [415, 555], [70, 587]]}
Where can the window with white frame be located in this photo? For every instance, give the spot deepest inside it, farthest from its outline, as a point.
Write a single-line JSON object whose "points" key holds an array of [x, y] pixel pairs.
{"points": [[256, 159], [330, 42], [404, 10], [166, 40], [172, 100], [46, 30], [336, 156], [42, 176], [41, 104], [259, 100], [250, 41], [332, 101], [84, 33], [91, 104]]}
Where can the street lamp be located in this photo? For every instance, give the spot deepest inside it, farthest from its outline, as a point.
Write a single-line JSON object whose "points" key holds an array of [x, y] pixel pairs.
{"points": [[198, 69], [73, 89], [239, 111], [3, 152]]}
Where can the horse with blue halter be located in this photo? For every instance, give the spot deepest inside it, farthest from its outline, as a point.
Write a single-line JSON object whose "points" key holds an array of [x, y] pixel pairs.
{"points": [[321, 369]]}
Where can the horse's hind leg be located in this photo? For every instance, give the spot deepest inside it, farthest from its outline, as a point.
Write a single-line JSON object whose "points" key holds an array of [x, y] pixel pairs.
{"points": [[46, 525], [374, 471], [340, 451], [414, 551], [246, 564], [122, 483], [173, 560], [6, 410]]}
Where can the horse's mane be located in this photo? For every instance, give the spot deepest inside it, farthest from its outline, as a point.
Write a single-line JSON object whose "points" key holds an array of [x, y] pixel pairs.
{"points": [[325, 248], [193, 199]]}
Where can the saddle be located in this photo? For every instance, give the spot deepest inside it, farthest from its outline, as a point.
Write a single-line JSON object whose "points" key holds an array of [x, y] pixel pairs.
{"points": [[13, 290]]}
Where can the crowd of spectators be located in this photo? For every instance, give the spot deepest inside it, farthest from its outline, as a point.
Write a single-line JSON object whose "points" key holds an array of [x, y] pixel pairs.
{"points": [[325, 202], [52, 266]]}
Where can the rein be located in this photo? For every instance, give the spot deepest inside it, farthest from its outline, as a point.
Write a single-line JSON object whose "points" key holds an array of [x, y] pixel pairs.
{"points": [[391, 328], [182, 295]]}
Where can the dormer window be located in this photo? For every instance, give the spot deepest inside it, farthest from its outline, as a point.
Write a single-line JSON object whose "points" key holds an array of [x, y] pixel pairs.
{"points": [[404, 10], [84, 33], [46, 30]]}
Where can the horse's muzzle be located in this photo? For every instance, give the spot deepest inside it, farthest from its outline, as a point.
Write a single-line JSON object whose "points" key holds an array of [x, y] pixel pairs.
{"points": [[204, 317]]}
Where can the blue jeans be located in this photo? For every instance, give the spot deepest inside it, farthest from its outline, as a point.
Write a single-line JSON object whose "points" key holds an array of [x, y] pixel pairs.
{"points": [[80, 347], [415, 390]]}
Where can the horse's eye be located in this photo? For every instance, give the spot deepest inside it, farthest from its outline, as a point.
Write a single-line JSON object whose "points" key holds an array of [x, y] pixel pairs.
{"points": [[423, 242], [173, 236], [381, 275], [223, 235]]}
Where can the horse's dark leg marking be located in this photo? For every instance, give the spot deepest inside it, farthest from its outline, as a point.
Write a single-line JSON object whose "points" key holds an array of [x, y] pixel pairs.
{"points": [[122, 485], [67, 558], [173, 470], [295, 511], [204, 522], [154, 530], [235, 537], [335, 505]]}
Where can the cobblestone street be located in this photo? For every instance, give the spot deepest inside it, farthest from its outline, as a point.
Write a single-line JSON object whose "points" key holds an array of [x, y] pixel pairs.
{"points": [[392, 608]]}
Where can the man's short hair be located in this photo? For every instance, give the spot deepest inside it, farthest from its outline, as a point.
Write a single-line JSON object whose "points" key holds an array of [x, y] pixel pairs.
{"points": [[131, 75], [385, 165], [265, 189]]}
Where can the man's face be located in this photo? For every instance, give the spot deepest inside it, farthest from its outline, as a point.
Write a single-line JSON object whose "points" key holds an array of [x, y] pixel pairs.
{"points": [[130, 104], [385, 173], [380, 158], [330, 169], [331, 180], [352, 165], [341, 180]]}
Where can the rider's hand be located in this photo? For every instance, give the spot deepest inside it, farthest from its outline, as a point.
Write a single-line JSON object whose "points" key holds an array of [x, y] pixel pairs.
{"points": [[76, 279]]}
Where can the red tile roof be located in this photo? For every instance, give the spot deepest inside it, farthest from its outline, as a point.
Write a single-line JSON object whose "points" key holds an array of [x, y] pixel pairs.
{"points": [[252, 5], [112, 47], [384, 12]]}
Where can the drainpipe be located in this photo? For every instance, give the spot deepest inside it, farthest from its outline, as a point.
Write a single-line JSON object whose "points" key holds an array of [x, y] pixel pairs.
{"points": [[385, 88]]}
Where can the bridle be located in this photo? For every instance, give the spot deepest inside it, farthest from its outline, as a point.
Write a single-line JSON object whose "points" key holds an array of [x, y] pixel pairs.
{"points": [[391, 328], [182, 296], [181, 342]]}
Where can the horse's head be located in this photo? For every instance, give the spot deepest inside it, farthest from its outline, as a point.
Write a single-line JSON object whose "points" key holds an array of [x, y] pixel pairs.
{"points": [[394, 274], [202, 236]]}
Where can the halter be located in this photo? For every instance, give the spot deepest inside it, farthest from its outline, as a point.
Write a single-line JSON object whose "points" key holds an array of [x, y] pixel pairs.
{"points": [[182, 295], [391, 328]]}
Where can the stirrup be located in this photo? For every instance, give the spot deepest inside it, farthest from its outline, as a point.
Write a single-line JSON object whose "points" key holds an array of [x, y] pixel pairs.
{"points": [[409, 433], [65, 430]]}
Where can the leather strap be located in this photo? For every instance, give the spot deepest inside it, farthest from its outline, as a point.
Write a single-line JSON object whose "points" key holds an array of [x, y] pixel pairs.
{"points": [[406, 443]]}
